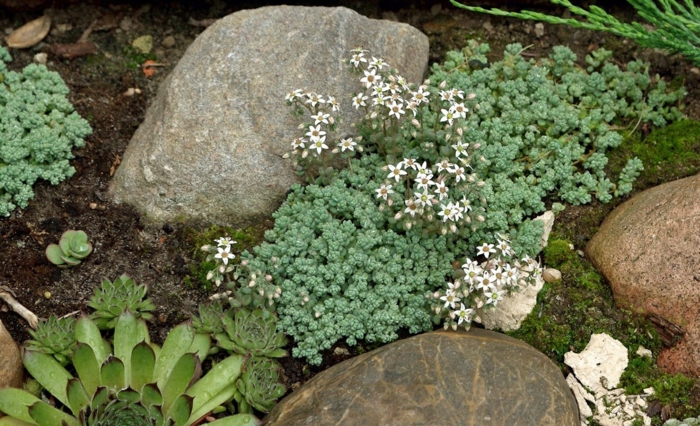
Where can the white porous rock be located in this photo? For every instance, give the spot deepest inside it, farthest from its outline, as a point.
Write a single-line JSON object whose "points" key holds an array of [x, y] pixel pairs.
{"points": [[581, 395], [512, 310], [644, 352], [600, 365], [548, 219]]}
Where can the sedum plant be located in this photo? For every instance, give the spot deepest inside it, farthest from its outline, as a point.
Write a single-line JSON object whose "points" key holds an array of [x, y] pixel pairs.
{"points": [[113, 298], [676, 25], [70, 250], [54, 337], [133, 382], [38, 130], [545, 126]]}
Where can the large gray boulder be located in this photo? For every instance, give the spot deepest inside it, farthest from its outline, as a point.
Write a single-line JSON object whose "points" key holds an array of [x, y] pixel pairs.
{"points": [[441, 378], [211, 146]]}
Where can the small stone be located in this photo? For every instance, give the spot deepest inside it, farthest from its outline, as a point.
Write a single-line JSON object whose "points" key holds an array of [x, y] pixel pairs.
{"points": [[695, 70], [93, 206], [487, 26], [40, 58], [551, 275], [130, 91], [62, 28], [539, 29], [126, 24], [47, 294], [341, 351], [644, 352], [648, 391], [143, 44], [168, 41]]}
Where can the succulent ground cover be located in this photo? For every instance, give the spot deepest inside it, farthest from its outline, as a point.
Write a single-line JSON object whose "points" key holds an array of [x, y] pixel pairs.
{"points": [[167, 259]]}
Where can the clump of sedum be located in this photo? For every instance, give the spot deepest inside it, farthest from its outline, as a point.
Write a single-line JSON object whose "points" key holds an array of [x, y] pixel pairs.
{"points": [[38, 130]]}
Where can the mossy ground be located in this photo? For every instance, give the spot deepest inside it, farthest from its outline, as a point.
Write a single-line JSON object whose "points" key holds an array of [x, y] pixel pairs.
{"points": [[581, 303]]}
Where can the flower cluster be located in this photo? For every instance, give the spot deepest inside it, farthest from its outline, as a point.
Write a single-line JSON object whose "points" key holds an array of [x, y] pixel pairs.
{"points": [[247, 287], [483, 284]]}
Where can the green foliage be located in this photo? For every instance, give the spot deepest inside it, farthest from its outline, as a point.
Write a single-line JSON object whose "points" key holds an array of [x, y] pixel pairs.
{"points": [[38, 130], [677, 27], [113, 298], [344, 273], [253, 334], [569, 311], [54, 337], [70, 250], [545, 126], [133, 382], [690, 421]]}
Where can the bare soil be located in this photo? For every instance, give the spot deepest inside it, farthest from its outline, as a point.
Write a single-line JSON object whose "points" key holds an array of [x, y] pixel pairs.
{"points": [[98, 89]]}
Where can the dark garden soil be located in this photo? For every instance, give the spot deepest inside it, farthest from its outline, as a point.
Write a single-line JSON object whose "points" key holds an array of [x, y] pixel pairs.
{"points": [[98, 89]]}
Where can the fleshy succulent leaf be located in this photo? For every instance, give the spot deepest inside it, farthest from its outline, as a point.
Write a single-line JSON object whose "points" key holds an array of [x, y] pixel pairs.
{"points": [[186, 370], [208, 402], [112, 374], [100, 397], [150, 395], [78, 398], [237, 420], [54, 253], [175, 346], [46, 415], [130, 396], [143, 360], [200, 345], [180, 410], [221, 376], [70, 260], [47, 371], [86, 331], [65, 242], [11, 421], [15, 403], [127, 334], [87, 367]]}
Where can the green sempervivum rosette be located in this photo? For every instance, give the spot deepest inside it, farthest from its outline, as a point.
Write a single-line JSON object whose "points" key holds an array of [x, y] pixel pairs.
{"points": [[54, 337], [113, 298], [252, 333], [259, 385], [71, 249], [136, 383]]}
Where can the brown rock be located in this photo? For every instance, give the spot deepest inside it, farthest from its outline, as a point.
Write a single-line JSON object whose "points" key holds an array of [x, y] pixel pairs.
{"points": [[648, 250], [449, 378], [11, 369]]}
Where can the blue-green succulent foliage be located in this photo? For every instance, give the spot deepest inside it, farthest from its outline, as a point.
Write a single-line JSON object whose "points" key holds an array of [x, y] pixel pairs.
{"points": [[348, 269], [38, 130]]}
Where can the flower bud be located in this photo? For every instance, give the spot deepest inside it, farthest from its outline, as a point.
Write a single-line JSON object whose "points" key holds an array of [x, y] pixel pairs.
{"points": [[276, 295], [436, 294], [217, 282], [373, 115], [443, 231], [306, 298], [304, 154], [331, 120], [481, 183], [244, 263], [443, 84], [317, 314], [253, 276], [453, 228], [426, 83], [301, 126], [390, 202], [268, 277], [415, 122], [471, 96], [205, 247], [397, 216], [335, 150], [359, 148], [273, 259], [251, 284], [408, 225], [480, 218], [446, 326], [222, 268], [270, 302], [261, 292], [447, 136], [430, 217], [414, 134], [210, 275], [460, 131], [454, 326]]}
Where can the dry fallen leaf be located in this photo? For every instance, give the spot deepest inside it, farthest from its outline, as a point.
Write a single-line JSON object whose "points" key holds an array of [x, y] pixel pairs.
{"points": [[149, 67], [30, 33]]}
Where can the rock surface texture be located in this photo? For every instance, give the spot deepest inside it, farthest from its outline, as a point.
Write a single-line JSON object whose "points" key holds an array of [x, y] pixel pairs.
{"points": [[449, 378], [210, 148], [647, 249], [11, 368]]}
